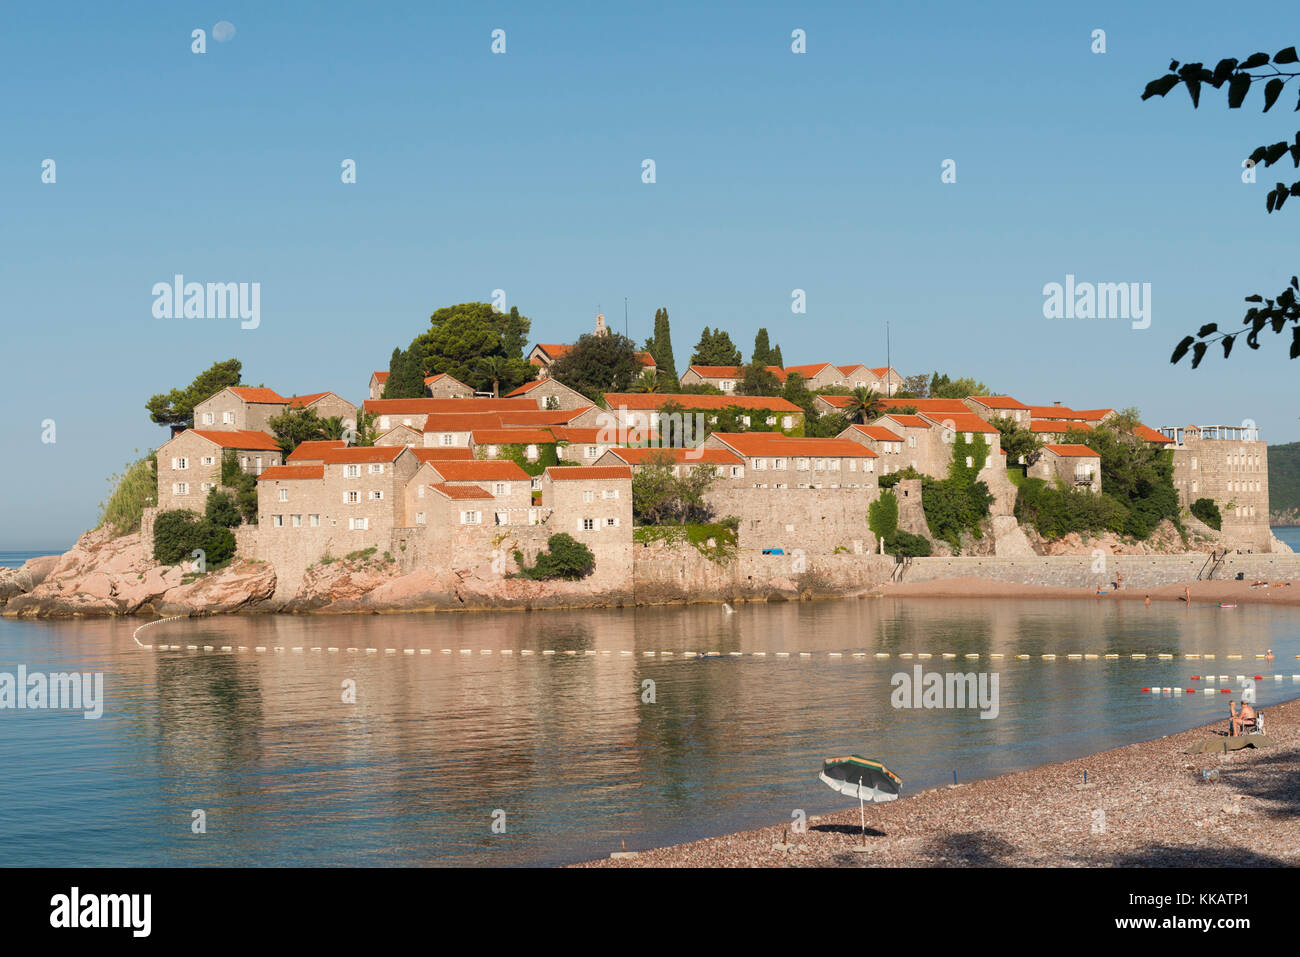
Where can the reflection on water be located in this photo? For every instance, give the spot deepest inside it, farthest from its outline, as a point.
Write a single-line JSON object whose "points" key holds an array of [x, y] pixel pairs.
{"points": [[412, 773]]}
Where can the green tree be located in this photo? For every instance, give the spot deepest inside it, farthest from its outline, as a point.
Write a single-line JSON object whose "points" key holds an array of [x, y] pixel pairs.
{"points": [[220, 509], [565, 557], [1284, 309], [756, 379], [1017, 441], [177, 533], [177, 406], [367, 429], [764, 354], [1208, 512], [405, 376], [598, 364], [133, 490], [942, 387], [715, 348], [654, 489], [295, 426], [243, 484], [776, 358], [647, 382], [460, 337], [495, 369], [660, 345], [332, 427], [882, 515]]}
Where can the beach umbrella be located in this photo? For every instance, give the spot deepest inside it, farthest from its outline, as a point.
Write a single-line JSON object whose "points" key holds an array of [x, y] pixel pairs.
{"points": [[862, 778]]}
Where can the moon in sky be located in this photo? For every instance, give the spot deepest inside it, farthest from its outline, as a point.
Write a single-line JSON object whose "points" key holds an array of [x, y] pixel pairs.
{"points": [[223, 30]]}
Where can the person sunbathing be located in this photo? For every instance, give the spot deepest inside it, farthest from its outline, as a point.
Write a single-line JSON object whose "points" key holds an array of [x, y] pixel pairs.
{"points": [[1240, 720]]}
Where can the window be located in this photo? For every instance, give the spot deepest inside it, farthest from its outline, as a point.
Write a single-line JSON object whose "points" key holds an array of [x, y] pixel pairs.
{"points": [[970, 437], [376, 495], [760, 465], [471, 518], [181, 463], [970, 461], [911, 441], [352, 471], [181, 488], [834, 465], [501, 488], [771, 420], [419, 493], [419, 518], [502, 518], [589, 496], [352, 497], [737, 471], [588, 524], [745, 420], [228, 418], [609, 493], [284, 495], [376, 468], [208, 460], [296, 521], [787, 422], [853, 465], [1193, 461], [611, 523], [819, 465], [277, 521], [537, 484], [531, 453], [801, 465], [313, 521], [727, 385], [591, 451], [205, 486], [778, 465], [492, 451], [209, 418], [359, 524], [447, 438]]}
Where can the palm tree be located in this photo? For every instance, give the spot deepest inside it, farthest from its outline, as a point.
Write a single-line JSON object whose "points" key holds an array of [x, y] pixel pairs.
{"points": [[647, 382], [495, 368], [863, 405], [332, 427]]}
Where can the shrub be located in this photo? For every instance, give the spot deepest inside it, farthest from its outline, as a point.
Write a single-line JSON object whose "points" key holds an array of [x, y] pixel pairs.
{"points": [[565, 557], [178, 532], [907, 545], [882, 515], [136, 488], [220, 509], [1056, 512], [1208, 512]]}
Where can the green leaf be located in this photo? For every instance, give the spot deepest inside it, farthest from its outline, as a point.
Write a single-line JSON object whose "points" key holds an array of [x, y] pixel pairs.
{"points": [[1227, 345], [1181, 349], [1272, 90], [1286, 56], [1223, 71], [1238, 87], [1207, 329], [1254, 60], [1275, 153], [1198, 353], [1160, 87]]}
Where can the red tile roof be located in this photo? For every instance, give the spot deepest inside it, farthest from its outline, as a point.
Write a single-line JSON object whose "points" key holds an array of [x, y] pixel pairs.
{"points": [[364, 453], [530, 386], [654, 400], [537, 416], [945, 406], [998, 402], [379, 376], [807, 371], [768, 443], [1052, 412], [302, 401], [427, 406], [312, 450], [280, 472], [552, 349], [907, 421], [575, 473], [960, 422], [682, 456], [568, 433], [877, 432], [1093, 415], [480, 470], [461, 492], [258, 395], [731, 372], [884, 369], [646, 359], [1072, 451], [1058, 426], [1148, 434], [511, 437], [241, 439], [457, 453], [461, 421]]}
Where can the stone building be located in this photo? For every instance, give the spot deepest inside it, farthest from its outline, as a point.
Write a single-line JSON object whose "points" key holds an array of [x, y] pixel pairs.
{"points": [[549, 393], [817, 375], [189, 465], [1054, 430], [444, 386], [641, 410], [498, 493], [1076, 465], [729, 465], [990, 407], [782, 462], [402, 434], [252, 407], [886, 443], [594, 505], [532, 444], [1228, 464], [923, 448], [377, 381], [726, 379]]}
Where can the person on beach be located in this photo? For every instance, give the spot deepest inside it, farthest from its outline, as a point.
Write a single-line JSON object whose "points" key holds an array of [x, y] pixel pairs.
{"points": [[1119, 580], [1269, 656], [1240, 720], [1147, 601], [1187, 594]]}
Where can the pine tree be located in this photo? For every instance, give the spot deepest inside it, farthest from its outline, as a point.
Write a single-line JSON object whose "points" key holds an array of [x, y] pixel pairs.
{"points": [[776, 358], [715, 349], [405, 376], [762, 355]]}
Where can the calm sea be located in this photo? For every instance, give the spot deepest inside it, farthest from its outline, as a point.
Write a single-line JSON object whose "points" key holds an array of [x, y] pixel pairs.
{"points": [[573, 752], [18, 559], [1290, 534]]}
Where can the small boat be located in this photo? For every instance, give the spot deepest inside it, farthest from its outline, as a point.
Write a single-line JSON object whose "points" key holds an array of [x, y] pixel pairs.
{"points": [[1222, 605]]}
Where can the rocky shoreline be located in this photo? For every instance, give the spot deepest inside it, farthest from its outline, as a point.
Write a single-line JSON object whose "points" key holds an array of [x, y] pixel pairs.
{"points": [[1145, 805]]}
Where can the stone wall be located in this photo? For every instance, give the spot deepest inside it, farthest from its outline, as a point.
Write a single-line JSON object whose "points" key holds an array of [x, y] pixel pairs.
{"points": [[1085, 571], [816, 520]]}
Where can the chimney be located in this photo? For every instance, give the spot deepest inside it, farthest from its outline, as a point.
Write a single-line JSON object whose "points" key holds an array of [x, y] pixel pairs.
{"points": [[1057, 403]]}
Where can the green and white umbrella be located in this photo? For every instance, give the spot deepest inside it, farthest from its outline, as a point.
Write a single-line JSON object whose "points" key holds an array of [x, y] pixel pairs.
{"points": [[863, 779]]}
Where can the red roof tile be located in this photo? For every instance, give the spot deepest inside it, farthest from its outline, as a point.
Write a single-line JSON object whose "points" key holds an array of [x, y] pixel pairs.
{"points": [[908, 421], [480, 470], [807, 371], [281, 472], [998, 402], [313, 449], [877, 432], [242, 439], [537, 416], [258, 395], [960, 422], [1060, 426], [653, 400], [768, 443], [575, 473], [365, 453], [302, 401], [1148, 434], [1072, 451], [461, 492], [379, 376], [683, 456]]}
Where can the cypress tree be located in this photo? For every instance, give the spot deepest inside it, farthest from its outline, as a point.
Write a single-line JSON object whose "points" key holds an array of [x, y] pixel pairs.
{"points": [[660, 345]]}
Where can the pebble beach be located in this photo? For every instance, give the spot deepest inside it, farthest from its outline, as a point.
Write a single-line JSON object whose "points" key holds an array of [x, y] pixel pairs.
{"points": [[1147, 804]]}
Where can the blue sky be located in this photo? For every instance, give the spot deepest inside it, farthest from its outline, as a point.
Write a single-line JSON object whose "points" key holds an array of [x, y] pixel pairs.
{"points": [[522, 171]]}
